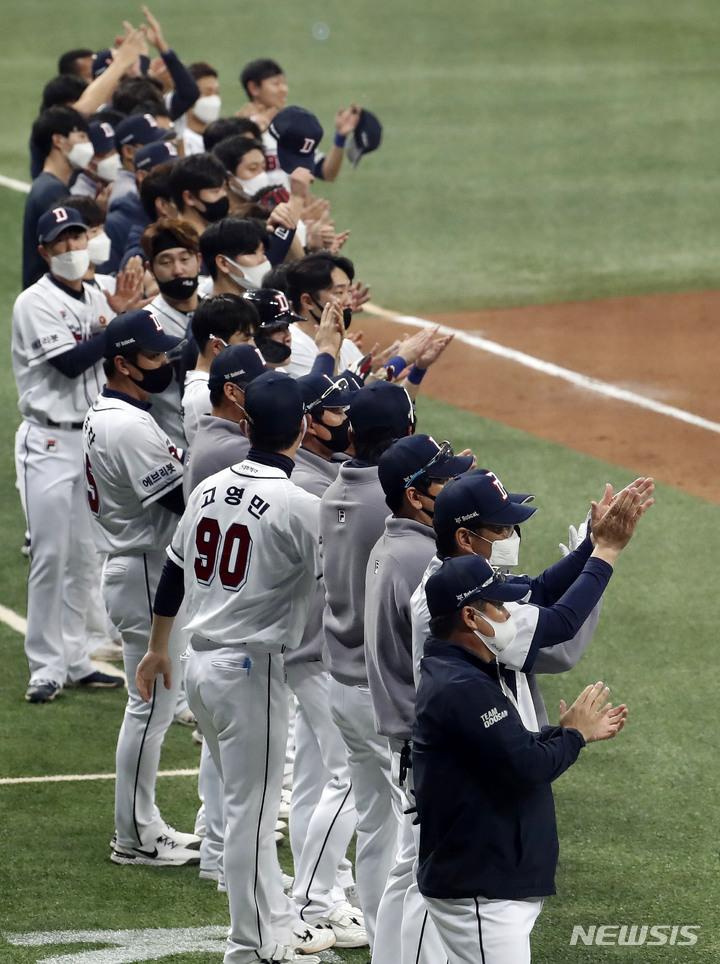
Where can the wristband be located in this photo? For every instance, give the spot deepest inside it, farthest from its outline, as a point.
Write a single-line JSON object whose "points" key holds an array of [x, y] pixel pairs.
{"points": [[416, 375], [339, 140], [397, 363]]}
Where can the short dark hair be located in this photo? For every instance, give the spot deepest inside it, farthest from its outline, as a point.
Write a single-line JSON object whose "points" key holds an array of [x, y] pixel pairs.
{"points": [[150, 107], [62, 90], [222, 316], [109, 364], [277, 441], [443, 627], [369, 449], [183, 232], [88, 208], [230, 236], [55, 120], [445, 543], [194, 174], [67, 64], [228, 127], [259, 70], [232, 150], [313, 274], [133, 91], [201, 69], [155, 184]]}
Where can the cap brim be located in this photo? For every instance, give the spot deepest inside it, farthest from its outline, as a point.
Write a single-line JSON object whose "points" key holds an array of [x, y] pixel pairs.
{"points": [[160, 342], [512, 513], [450, 467], [500, 591], [58, 230], [353, 150]]}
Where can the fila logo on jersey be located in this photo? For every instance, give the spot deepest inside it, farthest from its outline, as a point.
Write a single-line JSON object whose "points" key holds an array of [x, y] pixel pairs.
{"points": [[50, 445]]}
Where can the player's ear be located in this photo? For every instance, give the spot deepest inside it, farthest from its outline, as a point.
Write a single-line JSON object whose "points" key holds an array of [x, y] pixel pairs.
{"points": [[462, 539], [43, 252], [306, 303]]}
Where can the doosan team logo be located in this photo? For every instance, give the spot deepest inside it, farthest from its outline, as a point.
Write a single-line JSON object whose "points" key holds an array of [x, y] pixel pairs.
{"points": [[635, 935]]}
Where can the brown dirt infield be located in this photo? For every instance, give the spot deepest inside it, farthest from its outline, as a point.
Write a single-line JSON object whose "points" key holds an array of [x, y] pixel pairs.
{"points": [[663, 347]]}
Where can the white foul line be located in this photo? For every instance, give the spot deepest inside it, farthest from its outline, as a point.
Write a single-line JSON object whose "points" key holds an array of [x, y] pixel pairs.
{"points": [[554, 371], [75, 777], [10, 182]]}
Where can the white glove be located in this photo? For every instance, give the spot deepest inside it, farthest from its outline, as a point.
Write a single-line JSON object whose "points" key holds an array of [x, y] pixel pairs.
{"points": [[575, 537]]}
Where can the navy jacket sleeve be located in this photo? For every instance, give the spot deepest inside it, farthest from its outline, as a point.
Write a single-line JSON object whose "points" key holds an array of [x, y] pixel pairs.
{"points": [[186, 89], [75, 361], [549, 586]]}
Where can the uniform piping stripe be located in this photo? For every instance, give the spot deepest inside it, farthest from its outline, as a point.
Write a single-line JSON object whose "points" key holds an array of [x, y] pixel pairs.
{"points": [[149, 719], [262, 799], [479, 924], [334, 820]]}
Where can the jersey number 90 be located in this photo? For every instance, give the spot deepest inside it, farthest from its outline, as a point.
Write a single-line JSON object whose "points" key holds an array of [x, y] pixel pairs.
{"points": [[227, 556]]}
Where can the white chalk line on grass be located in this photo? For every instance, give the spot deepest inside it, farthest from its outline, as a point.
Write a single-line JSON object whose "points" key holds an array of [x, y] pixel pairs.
{"points": [[554, 371], [14, 185], [76, 777]]}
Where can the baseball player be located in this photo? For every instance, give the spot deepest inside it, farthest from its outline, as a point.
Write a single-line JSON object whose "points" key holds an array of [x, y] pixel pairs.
{"points": [[218, 322], [352, 517], [134, 490], [58, 338], [172, 250], [322, 808], [412, 473], [488, 840], [247, 552]]}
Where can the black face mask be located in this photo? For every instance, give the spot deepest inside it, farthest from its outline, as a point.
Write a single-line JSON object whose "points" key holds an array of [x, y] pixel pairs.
{"points": [[154, 380], [339, 439], [274, 352], [179, 289], [346, 313], [214, 210]]}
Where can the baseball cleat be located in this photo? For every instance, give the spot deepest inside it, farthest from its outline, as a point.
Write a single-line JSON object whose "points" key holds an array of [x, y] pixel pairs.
{"points": [[185, 717], [190, 841], [349, 929], [310, 938], [98, 680], [284, 811], [42, 691], [163, 852], [108, 652], [288, 884], [352, 896], [286, 955]]}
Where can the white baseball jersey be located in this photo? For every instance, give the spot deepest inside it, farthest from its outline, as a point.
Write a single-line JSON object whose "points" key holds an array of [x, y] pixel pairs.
{"points": [[249, 545], [166, 407], [129, 464], [304, 353], [195, 402], [47, 321]]}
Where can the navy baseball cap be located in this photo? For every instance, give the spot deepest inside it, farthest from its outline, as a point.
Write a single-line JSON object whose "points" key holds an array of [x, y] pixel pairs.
{"points": [[298, 132], [273, 402], [273, 307], [101, 61], [415, 457], [381, 409], [238, 364], [321, 391], [134, 331], [153, 154], [462, 579], [57, 220], [365, 138], [140, 129], [102, 137], [479, 496]]}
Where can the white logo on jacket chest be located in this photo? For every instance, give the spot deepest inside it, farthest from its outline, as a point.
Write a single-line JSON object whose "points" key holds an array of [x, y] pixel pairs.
{"points": [[493, 716]]}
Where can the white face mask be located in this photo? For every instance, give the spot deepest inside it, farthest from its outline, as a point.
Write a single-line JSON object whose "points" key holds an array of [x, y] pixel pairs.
{"points": [[505, 633], [81, 154], [71, 265], [108, 167], [99, 248], [250, 187], [207, 109], [252, 275], [505, 552]]}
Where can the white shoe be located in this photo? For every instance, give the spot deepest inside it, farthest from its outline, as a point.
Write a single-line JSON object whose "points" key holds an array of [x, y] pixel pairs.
{"points": [[163, 853], [349, 929], [309, 938], [185, 717], [351, 910], [279, 837], [352, 897], [284, 811], [288, 883], [288, 955], [281, 825], [108, 652], [190, 841]]}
